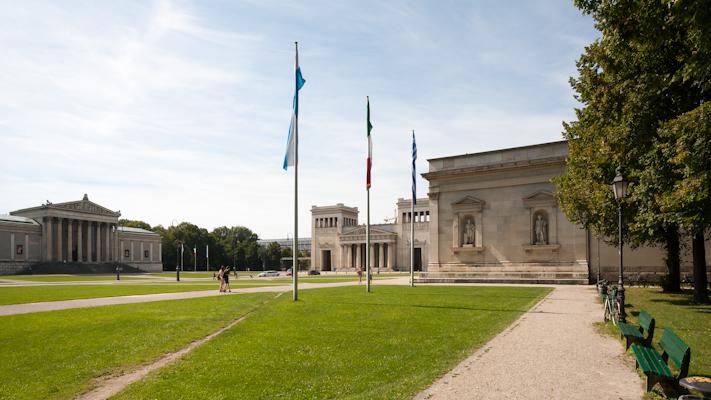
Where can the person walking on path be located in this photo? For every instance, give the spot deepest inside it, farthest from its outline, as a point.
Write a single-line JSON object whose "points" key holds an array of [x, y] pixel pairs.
{"points": [[226, 280], [220, 276], [360, 275]]}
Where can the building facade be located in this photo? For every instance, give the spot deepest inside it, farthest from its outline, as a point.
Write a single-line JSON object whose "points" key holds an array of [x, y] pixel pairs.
{"points": [[489, 217], [74, 232], [494, 215], [338, 239]]}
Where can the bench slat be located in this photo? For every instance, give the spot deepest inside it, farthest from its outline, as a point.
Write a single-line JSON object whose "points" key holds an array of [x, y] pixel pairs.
{"points": [[675, 348], [649, 361], [629, 330]]}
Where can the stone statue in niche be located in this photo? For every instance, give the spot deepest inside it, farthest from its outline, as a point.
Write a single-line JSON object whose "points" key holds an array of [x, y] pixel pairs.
{"points": [[469, 233], [541, 230]]}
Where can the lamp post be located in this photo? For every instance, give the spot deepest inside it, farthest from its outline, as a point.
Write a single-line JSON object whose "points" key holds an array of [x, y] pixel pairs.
{"points": [[619, 188]]}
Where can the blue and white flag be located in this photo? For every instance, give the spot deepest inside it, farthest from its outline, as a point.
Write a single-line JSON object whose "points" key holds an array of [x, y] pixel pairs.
{"points": [[414, 169], [290, 156]]}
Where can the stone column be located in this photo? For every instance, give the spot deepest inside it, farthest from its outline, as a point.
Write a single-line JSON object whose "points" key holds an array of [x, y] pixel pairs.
{"points": [[381, 255], [50, 239], [372, 257], [391, 255], [107, 242], [12, 246], [433, 247], [98, 241], [160, 252], [89, 241], [70, 240], [80, 241], [357, 257], [60, 242]]}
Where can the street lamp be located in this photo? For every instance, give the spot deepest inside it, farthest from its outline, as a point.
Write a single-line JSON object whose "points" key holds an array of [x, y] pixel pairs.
{"points": [[619, 188]]}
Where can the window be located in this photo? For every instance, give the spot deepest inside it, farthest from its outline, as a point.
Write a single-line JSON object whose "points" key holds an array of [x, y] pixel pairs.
{"points": [[146, 254], [127, 253], [20, 249]]}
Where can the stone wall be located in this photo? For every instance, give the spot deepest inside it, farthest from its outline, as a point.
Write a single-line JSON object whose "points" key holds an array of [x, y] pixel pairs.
{"points": [[141, 250], [647, 262]]}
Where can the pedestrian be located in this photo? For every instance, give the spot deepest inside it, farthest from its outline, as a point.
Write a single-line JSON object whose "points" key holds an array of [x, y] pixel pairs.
{"points": [[226, 280], [220, 275], [360, 275]]}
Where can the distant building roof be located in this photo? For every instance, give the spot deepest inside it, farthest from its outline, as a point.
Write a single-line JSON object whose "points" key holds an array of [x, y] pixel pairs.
{"points": [[304, 243], [128, 229], [14, 219]]}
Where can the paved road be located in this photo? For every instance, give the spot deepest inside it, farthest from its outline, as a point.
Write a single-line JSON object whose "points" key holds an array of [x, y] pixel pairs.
{"points": [[551, 352], [26, 308]]}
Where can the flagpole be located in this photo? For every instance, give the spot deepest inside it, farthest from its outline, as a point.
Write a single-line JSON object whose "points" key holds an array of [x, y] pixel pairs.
{"points": [[367, 218], [295, 246], [367, 244], [412, 222]]}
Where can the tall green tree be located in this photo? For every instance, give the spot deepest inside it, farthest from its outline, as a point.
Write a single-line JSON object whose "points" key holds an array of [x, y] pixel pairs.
{"points": [[685, 148], [134, 224], [644, 70]]}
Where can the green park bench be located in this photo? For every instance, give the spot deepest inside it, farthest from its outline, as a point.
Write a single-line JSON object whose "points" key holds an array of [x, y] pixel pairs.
{"points": [[655, 365], [635, 334]]}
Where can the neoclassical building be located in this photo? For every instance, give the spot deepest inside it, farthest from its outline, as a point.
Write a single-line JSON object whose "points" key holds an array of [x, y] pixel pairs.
{"points": [[338, 239], [489, 217], [74, 232], [494, 217]]}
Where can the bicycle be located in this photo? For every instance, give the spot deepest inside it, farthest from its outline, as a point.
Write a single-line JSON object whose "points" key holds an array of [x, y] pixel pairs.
{"points": [[612, 307]]}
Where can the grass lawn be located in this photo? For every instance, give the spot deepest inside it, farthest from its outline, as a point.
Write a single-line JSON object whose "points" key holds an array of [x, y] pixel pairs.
{"points": [[71, 278], [55, 355], [33, 294], [341, 343], [692, 322], [186, 274]]}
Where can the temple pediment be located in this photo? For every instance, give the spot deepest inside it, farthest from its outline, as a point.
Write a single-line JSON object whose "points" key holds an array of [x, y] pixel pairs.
{"points": [[84, 206], [468, 203], [540, 198]]}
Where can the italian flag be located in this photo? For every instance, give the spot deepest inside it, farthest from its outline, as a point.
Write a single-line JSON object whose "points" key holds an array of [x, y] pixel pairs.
{"points": [[369, 164]]}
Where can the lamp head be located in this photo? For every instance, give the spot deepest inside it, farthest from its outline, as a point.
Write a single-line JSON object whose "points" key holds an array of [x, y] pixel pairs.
{"points": [[619, 185]]}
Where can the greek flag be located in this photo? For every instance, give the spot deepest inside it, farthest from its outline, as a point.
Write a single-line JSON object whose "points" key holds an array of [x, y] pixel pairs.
{"points": [[290, 156], [414, 169]]}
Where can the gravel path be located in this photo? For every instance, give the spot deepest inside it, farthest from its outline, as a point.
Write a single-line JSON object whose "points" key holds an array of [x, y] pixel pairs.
{"points": [[26, 308], [551, 352]]}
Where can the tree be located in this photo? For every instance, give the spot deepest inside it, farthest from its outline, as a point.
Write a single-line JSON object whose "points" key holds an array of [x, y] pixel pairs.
{"points": [[685, 145], [643, 71], [134, 224], [272, 255]]}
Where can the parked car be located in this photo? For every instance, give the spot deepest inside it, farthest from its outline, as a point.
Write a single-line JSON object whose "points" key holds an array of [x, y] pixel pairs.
{"points": [[288, 272], [268, 273], [314, 272]]}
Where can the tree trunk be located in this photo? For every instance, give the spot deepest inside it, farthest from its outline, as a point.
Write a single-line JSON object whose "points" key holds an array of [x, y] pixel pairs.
{"points": [[701, 291], [673, 279]]}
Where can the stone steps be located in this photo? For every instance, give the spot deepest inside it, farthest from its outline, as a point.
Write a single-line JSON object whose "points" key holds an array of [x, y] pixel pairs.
{"points": [[571, 274], [530, 281]]}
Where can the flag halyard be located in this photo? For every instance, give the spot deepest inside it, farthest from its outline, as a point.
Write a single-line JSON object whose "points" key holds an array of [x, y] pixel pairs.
{"points": [[369, 162], [414, 169]]}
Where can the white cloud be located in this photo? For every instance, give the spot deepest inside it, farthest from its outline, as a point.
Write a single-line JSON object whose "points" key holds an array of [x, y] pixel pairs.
{"points": [[179, 110]]}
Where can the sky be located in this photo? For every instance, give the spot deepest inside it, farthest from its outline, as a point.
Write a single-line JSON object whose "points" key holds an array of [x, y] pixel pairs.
{"points": [[174, 111]]}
